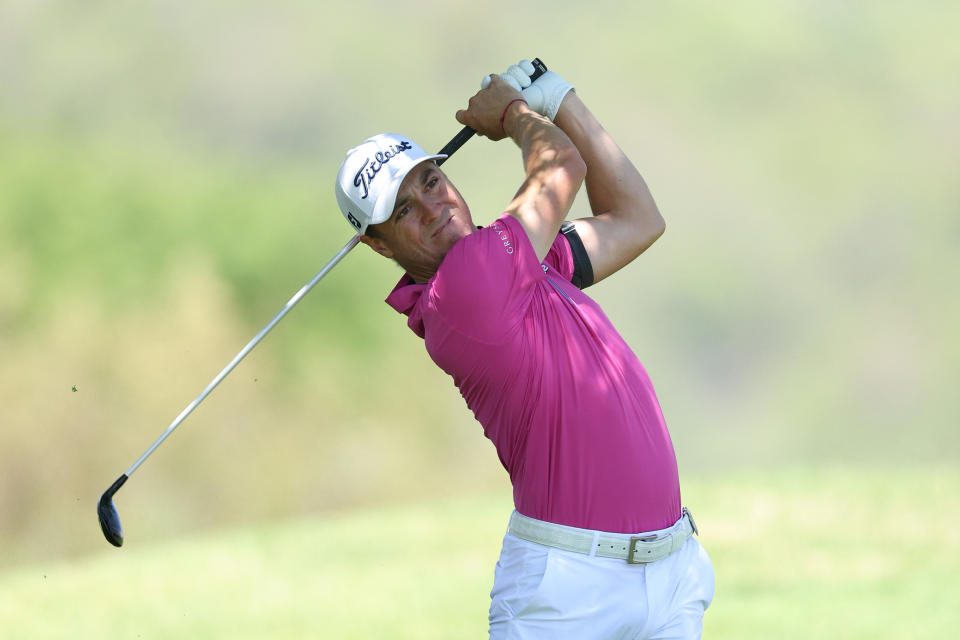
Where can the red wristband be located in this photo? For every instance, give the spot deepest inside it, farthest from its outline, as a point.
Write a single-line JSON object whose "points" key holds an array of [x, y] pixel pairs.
{"points": [[504, 114]]}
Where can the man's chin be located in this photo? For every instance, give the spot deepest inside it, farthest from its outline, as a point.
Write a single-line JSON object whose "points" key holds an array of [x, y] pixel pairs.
{"points": [[452, 233]]}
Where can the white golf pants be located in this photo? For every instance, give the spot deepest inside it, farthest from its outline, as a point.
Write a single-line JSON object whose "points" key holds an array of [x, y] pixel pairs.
{"points": [[547, 593]]}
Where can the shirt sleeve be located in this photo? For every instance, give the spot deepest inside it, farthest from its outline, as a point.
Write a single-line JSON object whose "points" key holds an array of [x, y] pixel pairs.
{"points": [[486, 280], [582, 267], [560, 257]]}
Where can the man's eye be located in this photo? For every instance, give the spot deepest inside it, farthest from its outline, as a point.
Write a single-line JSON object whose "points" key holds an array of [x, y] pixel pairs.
{"points": [[402, 212], [432, 182]]}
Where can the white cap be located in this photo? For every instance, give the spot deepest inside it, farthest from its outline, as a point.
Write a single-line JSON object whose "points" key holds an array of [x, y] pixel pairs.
{"points": [[370, 177]]}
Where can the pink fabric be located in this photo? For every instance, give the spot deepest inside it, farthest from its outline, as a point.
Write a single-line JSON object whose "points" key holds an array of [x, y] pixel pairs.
{"points": [[569, 407]]}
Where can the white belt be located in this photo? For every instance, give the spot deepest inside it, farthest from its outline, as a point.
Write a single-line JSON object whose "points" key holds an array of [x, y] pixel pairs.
{"points": [[635, 549]]}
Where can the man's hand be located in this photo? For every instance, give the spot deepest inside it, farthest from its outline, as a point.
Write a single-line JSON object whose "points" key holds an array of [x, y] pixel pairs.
{"points": [[487, 109], [544, 95]]}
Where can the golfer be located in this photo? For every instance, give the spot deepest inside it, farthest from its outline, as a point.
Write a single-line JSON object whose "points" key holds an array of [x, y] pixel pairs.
{"points": [[599, 544]]}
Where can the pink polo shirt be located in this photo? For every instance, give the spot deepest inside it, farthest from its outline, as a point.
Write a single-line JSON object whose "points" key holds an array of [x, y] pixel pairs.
{"points": [[567, 404]]}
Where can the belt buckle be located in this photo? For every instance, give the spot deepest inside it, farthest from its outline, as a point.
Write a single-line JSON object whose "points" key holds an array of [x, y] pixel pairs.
{"points": [[631, 555]]}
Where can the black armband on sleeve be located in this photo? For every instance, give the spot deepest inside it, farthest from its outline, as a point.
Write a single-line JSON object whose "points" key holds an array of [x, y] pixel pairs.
{"points": [[582, 269]]}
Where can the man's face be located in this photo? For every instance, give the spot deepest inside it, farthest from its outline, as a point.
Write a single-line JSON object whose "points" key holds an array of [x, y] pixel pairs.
{"points": [[429, 217]]}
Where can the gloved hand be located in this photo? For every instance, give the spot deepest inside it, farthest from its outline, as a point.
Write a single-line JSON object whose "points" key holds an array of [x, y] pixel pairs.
{"points": [[544, 95]]}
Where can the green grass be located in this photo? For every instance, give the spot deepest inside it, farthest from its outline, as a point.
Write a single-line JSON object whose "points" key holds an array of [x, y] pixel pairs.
{"points": [[798, 554]]}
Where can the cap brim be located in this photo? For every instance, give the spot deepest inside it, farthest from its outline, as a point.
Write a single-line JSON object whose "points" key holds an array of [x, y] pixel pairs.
{"points": [[384, 207]]}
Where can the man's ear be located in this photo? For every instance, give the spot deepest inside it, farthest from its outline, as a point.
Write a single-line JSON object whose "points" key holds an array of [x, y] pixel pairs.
{"points": [[378, 245]]}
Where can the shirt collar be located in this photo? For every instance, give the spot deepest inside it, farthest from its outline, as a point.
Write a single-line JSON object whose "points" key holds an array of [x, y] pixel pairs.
{"points": [[404, 298]]}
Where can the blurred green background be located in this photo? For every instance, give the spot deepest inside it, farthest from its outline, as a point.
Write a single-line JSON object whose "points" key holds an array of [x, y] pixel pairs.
{"points": [[166, 173]]}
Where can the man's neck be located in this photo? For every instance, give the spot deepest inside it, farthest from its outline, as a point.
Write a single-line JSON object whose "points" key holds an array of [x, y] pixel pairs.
{"points": [[422, 275]]}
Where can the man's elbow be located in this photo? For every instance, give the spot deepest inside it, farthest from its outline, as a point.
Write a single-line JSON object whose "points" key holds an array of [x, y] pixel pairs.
{"points": [[575, 166], [659, 225], [650, 227]]}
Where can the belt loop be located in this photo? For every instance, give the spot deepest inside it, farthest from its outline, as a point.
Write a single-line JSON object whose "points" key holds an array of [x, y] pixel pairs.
{"points": [[596, 544], [693, 524]]}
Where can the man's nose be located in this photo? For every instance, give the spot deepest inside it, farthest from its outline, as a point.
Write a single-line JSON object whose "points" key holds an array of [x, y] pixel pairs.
{"points": [[431, 210]]}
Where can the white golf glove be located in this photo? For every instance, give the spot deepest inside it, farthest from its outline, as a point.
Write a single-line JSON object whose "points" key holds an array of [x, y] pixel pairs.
{"points": [[544, 95]]}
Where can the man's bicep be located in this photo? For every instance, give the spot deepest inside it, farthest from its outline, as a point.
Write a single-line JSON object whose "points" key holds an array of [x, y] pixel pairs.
{"points": [[612, 243]]}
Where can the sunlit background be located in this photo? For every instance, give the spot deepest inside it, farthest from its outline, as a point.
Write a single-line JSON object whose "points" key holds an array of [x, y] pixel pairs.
{"points": [[166, 183]]}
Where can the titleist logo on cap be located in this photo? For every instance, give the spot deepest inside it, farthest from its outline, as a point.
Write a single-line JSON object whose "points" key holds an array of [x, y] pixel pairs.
{"points": [[368, 171]]}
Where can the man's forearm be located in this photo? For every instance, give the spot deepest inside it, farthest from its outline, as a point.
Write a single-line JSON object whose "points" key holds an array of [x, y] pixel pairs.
{"points": [[626, 219], [613, 184], [553, 166], [554, 173], [544, 147]]}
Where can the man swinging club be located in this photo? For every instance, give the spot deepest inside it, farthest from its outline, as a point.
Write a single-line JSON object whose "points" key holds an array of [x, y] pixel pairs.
{"points": [[599, 545]]}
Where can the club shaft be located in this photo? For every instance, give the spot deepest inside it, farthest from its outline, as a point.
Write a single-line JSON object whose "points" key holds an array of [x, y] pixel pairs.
{"points": [[458, 141], [449, 149], [247, 349]]}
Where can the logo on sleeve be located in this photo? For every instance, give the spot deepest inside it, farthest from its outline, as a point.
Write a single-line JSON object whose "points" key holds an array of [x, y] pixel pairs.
{"points": [[504, 237]]}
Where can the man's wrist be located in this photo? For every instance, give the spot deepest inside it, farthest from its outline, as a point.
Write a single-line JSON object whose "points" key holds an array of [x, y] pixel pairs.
{"points": [[507, 108], [570, 112], [514, 109]]}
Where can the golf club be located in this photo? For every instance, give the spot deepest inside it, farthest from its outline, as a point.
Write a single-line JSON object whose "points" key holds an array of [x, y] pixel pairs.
{"points": [[106, 511]]}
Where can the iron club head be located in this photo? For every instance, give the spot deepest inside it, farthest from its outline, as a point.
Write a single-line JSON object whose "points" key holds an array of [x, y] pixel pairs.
{"points": [[109, 518]]}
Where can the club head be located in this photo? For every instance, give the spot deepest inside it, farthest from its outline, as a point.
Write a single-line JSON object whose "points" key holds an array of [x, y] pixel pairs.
{"points": [[109, 518]]}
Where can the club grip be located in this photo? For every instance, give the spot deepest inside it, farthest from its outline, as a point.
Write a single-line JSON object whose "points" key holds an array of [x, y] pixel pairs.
{"points": [[466, 133]]}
